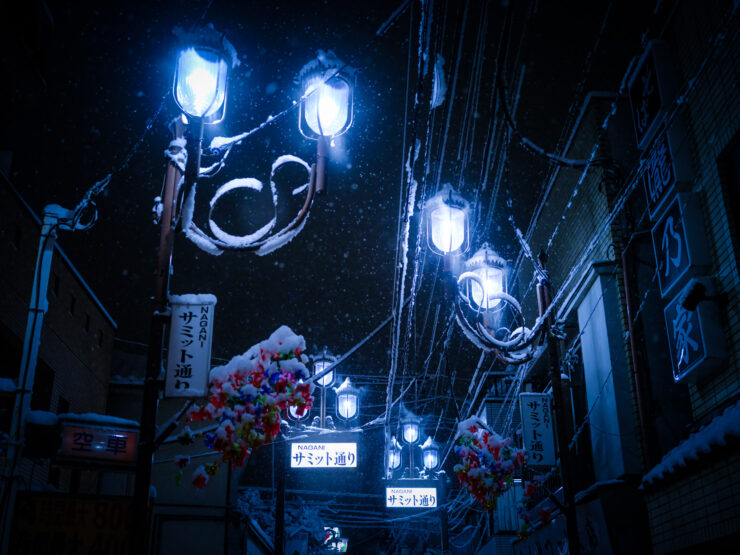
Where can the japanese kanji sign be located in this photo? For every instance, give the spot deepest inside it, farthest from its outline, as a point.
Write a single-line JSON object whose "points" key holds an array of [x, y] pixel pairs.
{"points": [[323, 455], [537, 428], [659, 178], [685, 338], [95, 443], [189, 354], [671, 247], [411, 498]]}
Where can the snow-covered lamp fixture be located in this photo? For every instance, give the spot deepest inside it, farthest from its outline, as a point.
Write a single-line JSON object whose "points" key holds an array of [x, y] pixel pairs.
{"points": [[410, 424], [320, 363], [430, 453], [489, 272], [327, 89], [394, 454], [327, 105], [293, 412], [447, 222], [201, 74], [347, 400]]}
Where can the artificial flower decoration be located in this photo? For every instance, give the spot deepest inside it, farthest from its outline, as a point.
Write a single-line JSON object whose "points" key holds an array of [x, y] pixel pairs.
{"points": [[488, 462], [248, 394]]}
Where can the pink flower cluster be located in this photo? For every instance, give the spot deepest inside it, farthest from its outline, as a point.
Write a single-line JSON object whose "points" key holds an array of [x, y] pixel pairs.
{"points": [[488, 462], [249, 393]]}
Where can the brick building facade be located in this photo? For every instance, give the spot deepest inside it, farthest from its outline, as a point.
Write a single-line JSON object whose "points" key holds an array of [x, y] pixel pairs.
{"points": [[664, 442]]}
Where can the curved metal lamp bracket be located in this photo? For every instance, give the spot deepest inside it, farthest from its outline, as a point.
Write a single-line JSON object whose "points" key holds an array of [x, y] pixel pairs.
{"points": [[262, 241]]}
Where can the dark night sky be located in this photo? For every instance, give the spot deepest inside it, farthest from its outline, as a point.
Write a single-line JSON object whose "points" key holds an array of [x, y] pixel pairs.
{"points": [[108, 65]]}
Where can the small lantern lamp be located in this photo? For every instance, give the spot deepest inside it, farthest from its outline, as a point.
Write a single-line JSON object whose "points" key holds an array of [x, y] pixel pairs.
{"points": [[394, 454], [320, 363], [201, 74], [447, 222], [411, 429], [430, 453], [490, 268], [347, 400], [293, 412], [327, 105]]}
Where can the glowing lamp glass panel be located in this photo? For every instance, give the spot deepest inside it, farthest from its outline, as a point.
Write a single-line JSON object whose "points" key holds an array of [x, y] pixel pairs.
{"points": [[394, 459], [347, 405], [320, 366], [411, 432], [326, 106], [293, 411], [493, 284], [200, 87], [431, 458], [448, 228]]}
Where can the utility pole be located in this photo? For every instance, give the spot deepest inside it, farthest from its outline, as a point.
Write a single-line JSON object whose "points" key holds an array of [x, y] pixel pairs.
{"points": [[152, 381], [54, 218], [560, 401]]}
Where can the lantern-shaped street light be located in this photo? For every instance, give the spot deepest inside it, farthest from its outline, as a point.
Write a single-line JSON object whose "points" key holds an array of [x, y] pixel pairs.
{"points": [[410, 426], [327, 105], [348, 398], [430, 453], [320, 363], [447, 222], [200, 83], [394, 454], [488, 271], [294, 413], [411, 430]]}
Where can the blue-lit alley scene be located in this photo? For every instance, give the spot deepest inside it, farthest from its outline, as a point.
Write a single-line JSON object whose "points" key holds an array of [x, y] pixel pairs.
{"points": [[398, 277]]}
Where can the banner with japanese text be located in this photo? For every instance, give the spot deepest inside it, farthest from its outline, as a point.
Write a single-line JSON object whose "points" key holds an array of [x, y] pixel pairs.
{"points": [[189, 354], [537, 428]]}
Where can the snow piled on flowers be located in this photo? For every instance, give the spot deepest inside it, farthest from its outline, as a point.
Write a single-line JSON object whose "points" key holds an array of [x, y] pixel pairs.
{"points": [[488, 462], [248, 394]]}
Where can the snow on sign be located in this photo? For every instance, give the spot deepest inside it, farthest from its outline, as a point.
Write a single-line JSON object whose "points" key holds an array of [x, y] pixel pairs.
{"points": [[189, 354], [537, 428], [323, 455], [411, 498]]}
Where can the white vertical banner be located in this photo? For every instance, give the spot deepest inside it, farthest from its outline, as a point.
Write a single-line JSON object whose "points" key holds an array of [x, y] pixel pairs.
{"points": [[189, 353], [537, 428]]}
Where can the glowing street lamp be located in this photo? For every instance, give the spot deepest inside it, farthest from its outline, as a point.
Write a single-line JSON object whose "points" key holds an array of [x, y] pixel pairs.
{"points": [[410, 427], [394, 454], [483, 292], [430, 453], [293, 412], [200, 83], [348, 398], [327, 105], [447, 222], [320, 363]]}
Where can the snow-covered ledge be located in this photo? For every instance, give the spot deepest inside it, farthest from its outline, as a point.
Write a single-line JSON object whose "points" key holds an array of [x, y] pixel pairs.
{"points": [[711, 436]]}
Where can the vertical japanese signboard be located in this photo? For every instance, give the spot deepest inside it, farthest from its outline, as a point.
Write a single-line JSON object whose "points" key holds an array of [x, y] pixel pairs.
{"points": [[670, 245], [695, 337], [537, 428], [189, 354], [659, 178]]}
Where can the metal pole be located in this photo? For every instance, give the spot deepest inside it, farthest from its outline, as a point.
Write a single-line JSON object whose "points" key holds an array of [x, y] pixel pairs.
{"points": [[322, 160], [560, 402], [323, 407], [157, 328], [55, 217], [411, 461], [279, 548]]}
